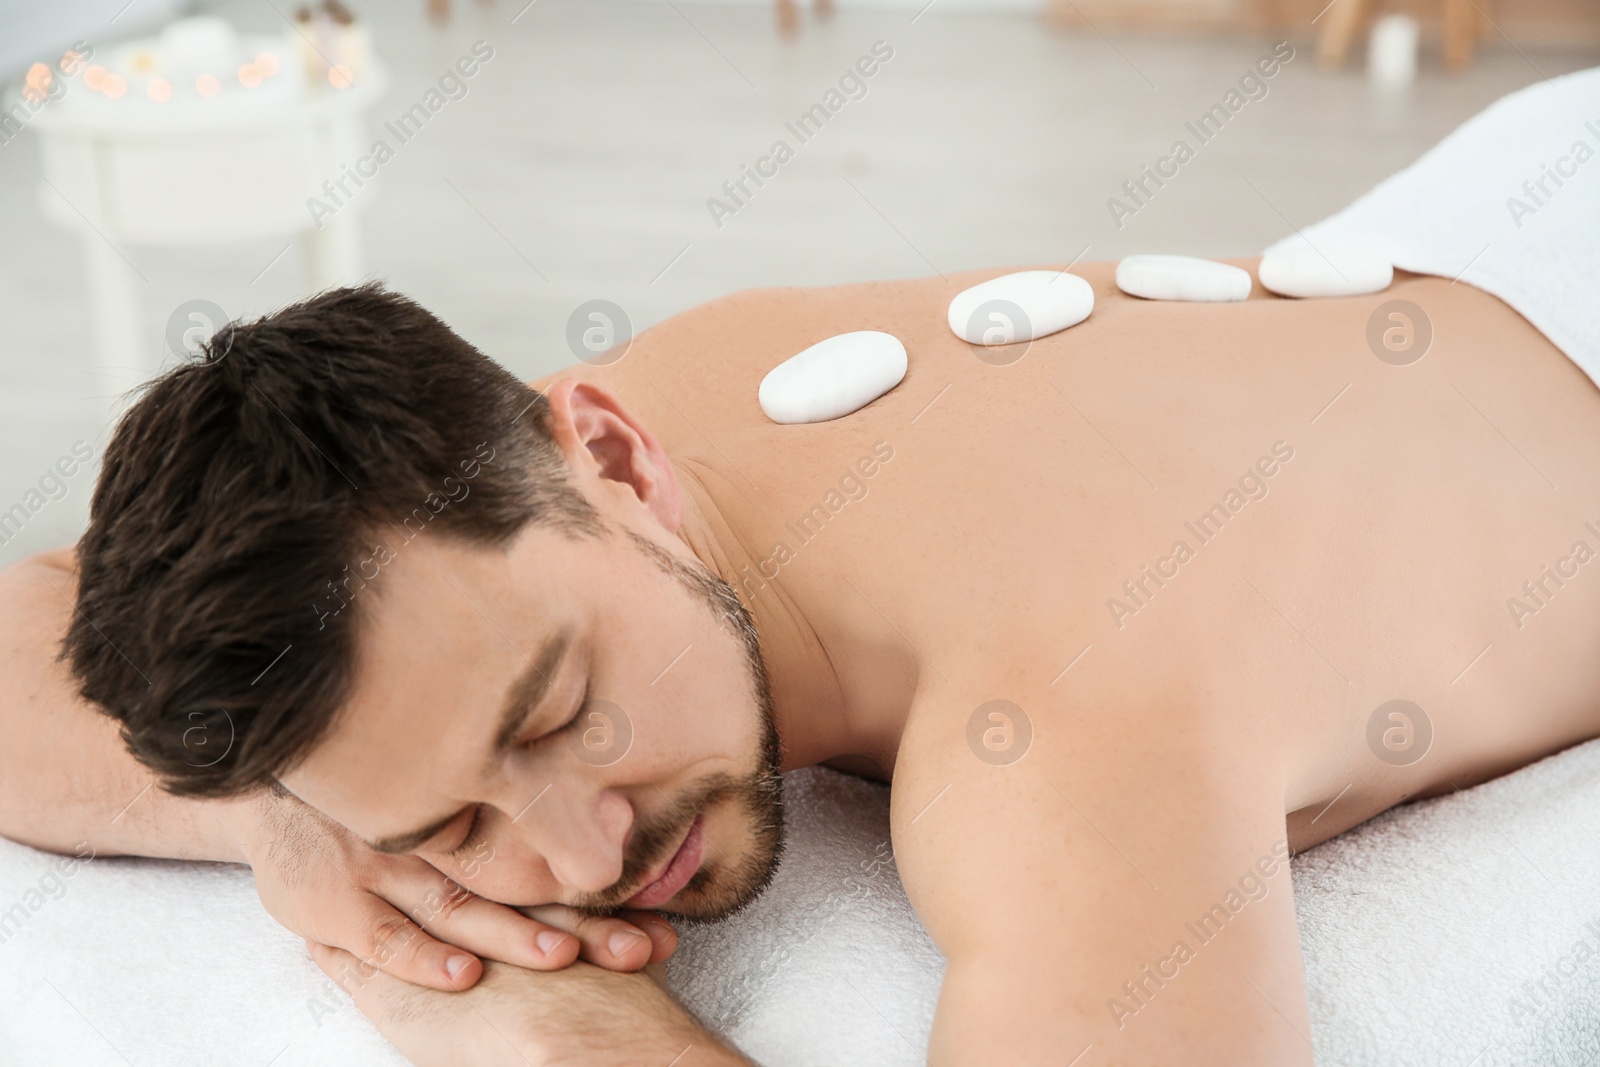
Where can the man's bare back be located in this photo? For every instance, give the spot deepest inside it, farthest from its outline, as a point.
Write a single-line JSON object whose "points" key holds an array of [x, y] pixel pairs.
{"points": [[1199, 549]]}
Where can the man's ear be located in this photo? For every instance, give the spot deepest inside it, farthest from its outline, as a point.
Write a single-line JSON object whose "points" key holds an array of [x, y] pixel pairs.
{"points": [[602, 439]]}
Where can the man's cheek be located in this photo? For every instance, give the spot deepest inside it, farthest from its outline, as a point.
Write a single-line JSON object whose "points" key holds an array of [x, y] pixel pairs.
{"points": [[481, 856]]}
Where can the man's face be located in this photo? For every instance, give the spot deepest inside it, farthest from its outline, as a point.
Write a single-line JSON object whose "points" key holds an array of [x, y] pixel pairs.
{"points": [[624, 682]]}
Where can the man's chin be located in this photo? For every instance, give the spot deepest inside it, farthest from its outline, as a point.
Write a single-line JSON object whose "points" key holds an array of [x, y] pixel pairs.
{"points": [[716, 892], [696, 909]]}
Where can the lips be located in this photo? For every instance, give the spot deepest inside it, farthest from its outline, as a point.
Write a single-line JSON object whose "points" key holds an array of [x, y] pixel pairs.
{"points": [[679, 869]]}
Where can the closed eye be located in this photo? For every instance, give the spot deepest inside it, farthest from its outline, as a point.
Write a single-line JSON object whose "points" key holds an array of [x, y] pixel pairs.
{"points": [[471, 839], [577, 717]]}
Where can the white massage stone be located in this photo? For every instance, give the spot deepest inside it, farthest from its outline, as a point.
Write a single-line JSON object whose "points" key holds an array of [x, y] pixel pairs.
{"points": [[1052, 300], [1181, 278], [833, 377], [1328, 270]]}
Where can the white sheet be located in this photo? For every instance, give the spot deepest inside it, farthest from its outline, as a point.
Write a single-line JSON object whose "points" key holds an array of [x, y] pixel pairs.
{"points": [[1418, 930]]}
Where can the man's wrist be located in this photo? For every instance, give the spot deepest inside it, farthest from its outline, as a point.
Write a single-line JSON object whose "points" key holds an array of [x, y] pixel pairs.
{"points": [[694, 1048], [618, 1020], [241, 823]]}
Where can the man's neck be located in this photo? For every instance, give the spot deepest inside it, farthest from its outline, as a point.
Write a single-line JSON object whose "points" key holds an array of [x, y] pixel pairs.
{"points": [[816, 718]]}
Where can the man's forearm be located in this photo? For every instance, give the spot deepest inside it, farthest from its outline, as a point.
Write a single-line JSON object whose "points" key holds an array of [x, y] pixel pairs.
{"points": [[65, 776], [580, 1016]]}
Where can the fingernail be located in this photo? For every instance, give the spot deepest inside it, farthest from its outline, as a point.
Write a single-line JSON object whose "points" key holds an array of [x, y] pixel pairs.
{"points": [[549, 940], [456, 964], [659, 933], [622, 941]]}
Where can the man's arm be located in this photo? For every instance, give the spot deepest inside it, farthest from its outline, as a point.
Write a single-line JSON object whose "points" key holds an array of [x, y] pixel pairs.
{"points": [[582, 1016], [65, 777], [1121, 891]]}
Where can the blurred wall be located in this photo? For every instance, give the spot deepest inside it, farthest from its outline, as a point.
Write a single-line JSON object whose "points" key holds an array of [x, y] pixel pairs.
{"points": [[32, 28]]}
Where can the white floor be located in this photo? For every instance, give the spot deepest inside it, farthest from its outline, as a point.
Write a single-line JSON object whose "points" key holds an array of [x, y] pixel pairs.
{"points": [[580, 164]]}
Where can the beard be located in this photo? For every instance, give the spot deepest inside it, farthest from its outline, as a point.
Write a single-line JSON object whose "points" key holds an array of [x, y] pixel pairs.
{"points": [[724, 885]]}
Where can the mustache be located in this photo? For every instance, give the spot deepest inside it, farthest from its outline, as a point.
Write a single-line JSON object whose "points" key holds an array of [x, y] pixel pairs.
{"points": [[656, 837]]}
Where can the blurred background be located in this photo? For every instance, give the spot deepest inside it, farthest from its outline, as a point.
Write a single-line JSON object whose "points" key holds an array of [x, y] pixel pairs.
{"points": [[551, 175]]}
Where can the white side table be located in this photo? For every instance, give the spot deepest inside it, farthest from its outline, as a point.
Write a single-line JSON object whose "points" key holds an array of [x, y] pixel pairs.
{"points": [[143, 166]]}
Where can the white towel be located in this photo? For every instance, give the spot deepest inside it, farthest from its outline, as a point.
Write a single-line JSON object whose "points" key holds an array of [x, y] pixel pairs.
{"points": [[1449, 931], [1484, 206], [1463, 930], [158, 962]]}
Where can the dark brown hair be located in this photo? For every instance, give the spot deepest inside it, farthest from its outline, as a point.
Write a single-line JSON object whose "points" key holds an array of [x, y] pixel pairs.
{"points": [[245, 499]]}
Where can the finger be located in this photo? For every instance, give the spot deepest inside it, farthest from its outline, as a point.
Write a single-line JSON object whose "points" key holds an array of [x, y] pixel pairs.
{"points": [[408, 1015], [456, 915], [661, 933], [395, 945], [370, 988], [615, 944]]}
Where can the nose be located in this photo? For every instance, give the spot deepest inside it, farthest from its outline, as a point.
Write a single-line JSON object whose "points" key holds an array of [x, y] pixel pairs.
{"points": [[580, 834]]}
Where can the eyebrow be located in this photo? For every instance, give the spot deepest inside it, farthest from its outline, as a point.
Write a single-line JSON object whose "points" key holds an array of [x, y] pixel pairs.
{"points": [[523, 697]]}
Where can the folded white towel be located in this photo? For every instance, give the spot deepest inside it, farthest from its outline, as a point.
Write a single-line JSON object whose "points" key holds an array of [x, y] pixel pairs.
{"points": [[1509, 202], [1450, 931]]}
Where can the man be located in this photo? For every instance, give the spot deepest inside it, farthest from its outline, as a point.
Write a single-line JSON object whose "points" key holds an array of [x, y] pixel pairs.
{"points": [[1124, 615]]}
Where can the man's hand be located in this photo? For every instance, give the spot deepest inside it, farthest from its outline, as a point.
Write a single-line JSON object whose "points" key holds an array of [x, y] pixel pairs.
{"points": [[327, 885], [518, 1018]]}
